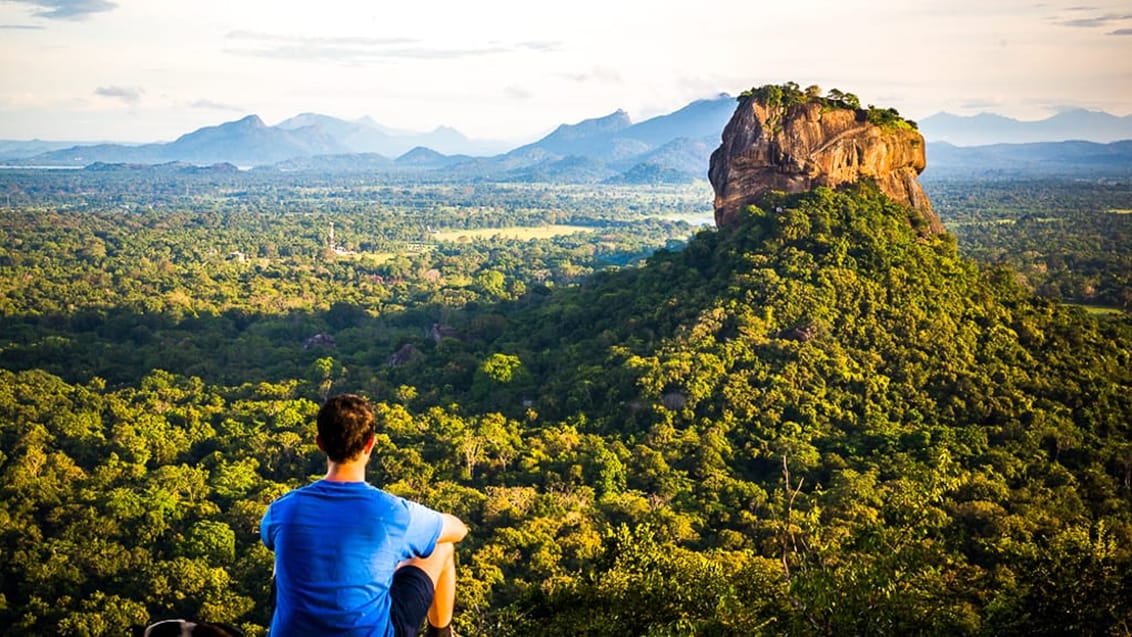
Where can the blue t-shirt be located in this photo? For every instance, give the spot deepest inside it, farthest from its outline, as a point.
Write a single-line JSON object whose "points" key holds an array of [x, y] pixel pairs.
{"points": [[336, 547]]}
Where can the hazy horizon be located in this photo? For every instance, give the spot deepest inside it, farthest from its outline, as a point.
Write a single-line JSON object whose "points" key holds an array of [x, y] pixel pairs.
{"points": [[128, 71], [503, 143]]}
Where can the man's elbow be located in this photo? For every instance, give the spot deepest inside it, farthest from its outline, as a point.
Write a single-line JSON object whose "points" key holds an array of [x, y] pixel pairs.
{"points": [[454, 529]]}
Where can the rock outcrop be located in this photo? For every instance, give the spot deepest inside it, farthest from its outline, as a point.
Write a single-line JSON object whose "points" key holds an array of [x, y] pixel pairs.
{"points": [[799, 147]]}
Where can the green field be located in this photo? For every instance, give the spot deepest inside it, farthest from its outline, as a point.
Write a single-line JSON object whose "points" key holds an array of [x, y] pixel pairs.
{"points": [[1097, 309], [513, 232]]}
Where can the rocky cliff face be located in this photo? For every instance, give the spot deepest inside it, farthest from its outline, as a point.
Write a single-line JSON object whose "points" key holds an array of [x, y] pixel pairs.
{"points": [[803, 146]]}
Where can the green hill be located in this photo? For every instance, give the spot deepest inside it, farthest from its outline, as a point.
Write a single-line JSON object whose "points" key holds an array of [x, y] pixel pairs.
{"points": [[869, 432]]}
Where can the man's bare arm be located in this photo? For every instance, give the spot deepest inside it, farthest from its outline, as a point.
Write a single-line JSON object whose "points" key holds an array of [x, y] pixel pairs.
{"points": [[453, 529]]}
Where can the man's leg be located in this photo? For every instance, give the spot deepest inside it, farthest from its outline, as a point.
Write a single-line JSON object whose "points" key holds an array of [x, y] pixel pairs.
{"points": [[440, 567]]}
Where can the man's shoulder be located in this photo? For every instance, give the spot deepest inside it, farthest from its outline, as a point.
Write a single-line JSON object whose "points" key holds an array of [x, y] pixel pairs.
{"points": [[333, 486], [326, 490]]}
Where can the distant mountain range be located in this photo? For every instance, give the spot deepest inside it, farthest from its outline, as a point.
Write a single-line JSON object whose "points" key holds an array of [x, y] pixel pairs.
{"points": [[11, 149], [250, 142], [669, 148], [986, 128], [672, 147], [367, 136], [1029, 161]]}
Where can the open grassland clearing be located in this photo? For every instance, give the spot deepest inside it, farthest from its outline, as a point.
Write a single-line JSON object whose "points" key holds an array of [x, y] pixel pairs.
{"points": [[512, 232]]}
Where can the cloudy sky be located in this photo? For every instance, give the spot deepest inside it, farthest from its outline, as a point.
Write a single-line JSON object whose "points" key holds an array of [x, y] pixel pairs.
{"points": [[145, 70]]}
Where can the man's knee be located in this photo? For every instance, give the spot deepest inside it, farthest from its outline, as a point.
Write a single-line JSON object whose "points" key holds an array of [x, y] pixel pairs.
{"points": [[444, 552], [442, 558]]}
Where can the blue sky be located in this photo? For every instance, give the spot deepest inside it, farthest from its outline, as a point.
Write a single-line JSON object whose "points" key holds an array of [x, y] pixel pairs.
{"points": [[511, 70]]}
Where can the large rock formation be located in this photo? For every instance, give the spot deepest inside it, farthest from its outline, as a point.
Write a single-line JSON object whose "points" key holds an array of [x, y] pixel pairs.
{"points": [[804, 145]]}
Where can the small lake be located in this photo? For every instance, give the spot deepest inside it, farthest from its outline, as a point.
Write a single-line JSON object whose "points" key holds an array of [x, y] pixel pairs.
{"points": [[696, 219]]}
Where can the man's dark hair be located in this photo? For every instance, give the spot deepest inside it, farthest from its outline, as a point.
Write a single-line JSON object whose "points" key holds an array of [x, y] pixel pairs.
{"points": [[345, 424]]}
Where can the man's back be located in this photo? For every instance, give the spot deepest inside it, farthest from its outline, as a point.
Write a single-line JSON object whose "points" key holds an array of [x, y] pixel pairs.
{"points": [[338, 545]]}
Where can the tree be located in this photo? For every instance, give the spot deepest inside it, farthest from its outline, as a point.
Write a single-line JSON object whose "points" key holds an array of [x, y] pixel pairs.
{"points": [[210, 540]]}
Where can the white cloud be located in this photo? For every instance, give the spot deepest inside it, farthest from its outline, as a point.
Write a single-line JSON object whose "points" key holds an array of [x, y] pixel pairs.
{"points": [[518, 93], [601, 74], [215, 106], [980, 104], [1096, 21], [355, 49], [68, 9], [127, 94]]}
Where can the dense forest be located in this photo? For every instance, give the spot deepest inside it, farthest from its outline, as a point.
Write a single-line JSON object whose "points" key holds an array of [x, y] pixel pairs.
{"points": [[817, 422], [1068, 239]]}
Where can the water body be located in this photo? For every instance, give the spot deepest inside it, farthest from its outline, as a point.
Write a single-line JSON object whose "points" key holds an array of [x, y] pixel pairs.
{"points": [[696, 219]]}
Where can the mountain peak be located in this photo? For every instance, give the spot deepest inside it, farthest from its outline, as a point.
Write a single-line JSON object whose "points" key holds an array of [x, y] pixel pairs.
{"points": [[587, 137], [304, 119], [250, 121], [447, 132], [701, 118], [615, 121], [420, 155]]}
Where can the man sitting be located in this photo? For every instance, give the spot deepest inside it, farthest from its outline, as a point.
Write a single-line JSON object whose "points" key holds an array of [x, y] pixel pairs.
{"points": [[351, 559]]}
